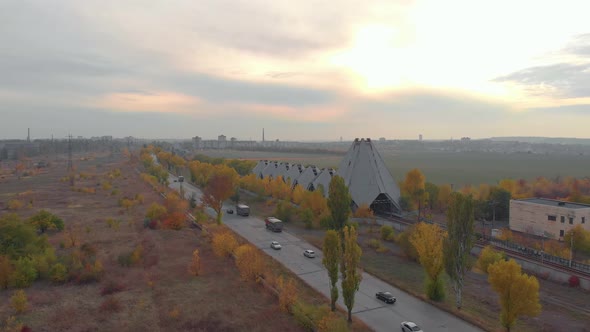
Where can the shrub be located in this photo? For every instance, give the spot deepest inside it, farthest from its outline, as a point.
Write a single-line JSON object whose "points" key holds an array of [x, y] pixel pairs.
{"points": [[113, 223], [195, 265], [174, 221], [287, 294], [403, 240], [435, 290], [44, 220], [156, 211], [6, 270], [111, 305], [306, 216], [224, 244], [14, 204], [249, 261], [387, 233], [574, 281], [24, 272], [58, 273], [487, 257], [374, 243], [19, 301]]}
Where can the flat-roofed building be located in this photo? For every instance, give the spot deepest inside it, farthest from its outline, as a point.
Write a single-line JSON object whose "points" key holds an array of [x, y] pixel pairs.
{"points": [[550, 217]]}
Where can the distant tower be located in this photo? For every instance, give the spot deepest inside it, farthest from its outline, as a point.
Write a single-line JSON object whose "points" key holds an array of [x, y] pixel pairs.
{"points": [[420, 137], [70, 165], [262, 134], [28, 134]]}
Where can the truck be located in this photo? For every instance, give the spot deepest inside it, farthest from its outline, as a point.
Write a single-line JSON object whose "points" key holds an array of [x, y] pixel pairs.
{"points": [[242, 210], [274, 224]]}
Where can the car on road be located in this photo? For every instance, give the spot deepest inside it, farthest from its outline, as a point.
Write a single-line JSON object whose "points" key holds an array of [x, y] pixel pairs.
{"points": [[229, 211], [410, 327], [275, 245], [386, 297], [309, 253]]}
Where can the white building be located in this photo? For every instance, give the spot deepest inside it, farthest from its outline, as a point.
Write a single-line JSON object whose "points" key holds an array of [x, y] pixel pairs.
{"points": [[550, 217]]}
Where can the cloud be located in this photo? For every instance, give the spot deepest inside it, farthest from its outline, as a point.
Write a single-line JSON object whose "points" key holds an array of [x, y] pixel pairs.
{"points": [[561, 80]]}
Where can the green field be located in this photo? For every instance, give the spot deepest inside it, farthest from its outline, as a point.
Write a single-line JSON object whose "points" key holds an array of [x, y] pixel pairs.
{"points": [[446, 167]]}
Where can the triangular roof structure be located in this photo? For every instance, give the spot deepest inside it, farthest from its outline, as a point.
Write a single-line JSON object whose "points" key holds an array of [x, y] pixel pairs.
{"points": [[294, 173], [323, 180], [271, 169], [282, 170], [307, 177], [257, 170], [368, 179]]}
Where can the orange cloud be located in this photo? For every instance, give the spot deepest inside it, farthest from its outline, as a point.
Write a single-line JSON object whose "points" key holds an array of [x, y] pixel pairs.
{"points": [[150, 102], [324, 113]]}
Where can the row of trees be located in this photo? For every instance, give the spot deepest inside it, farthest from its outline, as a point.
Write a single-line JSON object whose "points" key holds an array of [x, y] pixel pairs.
{"points": [[341, 250], [440, 251]]}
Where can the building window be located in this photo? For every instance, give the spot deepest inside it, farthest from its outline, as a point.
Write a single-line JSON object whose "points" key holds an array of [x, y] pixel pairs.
{"points": [[571, 220], [552, 218], [562, 219], [561, 233]]}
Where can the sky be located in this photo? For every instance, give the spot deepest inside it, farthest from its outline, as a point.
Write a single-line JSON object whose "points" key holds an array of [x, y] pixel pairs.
{"points": [[302, 70]]}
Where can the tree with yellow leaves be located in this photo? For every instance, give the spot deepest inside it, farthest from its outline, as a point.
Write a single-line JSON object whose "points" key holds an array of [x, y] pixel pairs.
{"points": [[224, 244], [332, 258], [287, 293], [364, 212], [297, 194], [249, 261], [519, 292], [350, 261], [195, 265], [221, 186], [444, 194], [428, 241], [414, 187]]}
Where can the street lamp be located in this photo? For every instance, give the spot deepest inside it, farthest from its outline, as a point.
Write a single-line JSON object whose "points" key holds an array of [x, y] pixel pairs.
{"points": [[571, 246], [181, 180]]}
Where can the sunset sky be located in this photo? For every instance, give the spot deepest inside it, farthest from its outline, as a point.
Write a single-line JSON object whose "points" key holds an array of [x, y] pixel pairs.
{"points": [[303, 70]]}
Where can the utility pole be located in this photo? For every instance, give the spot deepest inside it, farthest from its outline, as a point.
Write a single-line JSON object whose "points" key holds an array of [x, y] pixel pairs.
{"points": [[70, 166], [571, 247]]}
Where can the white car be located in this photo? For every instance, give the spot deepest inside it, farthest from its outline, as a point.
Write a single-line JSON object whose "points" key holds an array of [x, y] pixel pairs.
{"points": [[410, 327], [309, 253], [275, 245]]}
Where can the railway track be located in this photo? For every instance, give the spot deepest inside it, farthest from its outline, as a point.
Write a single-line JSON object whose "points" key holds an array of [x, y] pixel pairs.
{"points": [[510, 252]]}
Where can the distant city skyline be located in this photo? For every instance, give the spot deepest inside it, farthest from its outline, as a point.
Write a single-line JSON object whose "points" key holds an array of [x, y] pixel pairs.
{"points": [[301, 71]]}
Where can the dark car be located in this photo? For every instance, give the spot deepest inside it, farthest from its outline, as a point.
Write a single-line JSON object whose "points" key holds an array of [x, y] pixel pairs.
{"points": [[386, 297], [229, 211]]}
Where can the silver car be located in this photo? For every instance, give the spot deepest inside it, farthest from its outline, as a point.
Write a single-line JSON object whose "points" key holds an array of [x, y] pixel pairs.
{"points": [[309, 253], [410, 327], [275, 245]]}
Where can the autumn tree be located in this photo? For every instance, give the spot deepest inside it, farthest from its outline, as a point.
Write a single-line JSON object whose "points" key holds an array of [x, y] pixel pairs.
{"points": [[44, 220], [579, 238], [518, 292], [156, 212], [195, 265], [431, 190], [219, 188], [352, 277], [458, 243], [19, 301], [249, 261], [487, 257], [444, 194], [224, 244], [338, 202], [428, 241], [414, 186], [297, 194], [364, 212], [287, 293], [332, 255]]}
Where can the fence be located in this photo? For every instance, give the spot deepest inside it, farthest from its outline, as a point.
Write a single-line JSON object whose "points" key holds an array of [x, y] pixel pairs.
{"points": [[540, 255]]}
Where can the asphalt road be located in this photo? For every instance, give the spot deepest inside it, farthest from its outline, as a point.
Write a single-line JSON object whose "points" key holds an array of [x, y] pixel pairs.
{"points": [[375, 313]]}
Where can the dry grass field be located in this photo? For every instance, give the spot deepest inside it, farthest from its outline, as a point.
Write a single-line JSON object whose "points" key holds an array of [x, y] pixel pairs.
{"points": [[156, 293]]}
